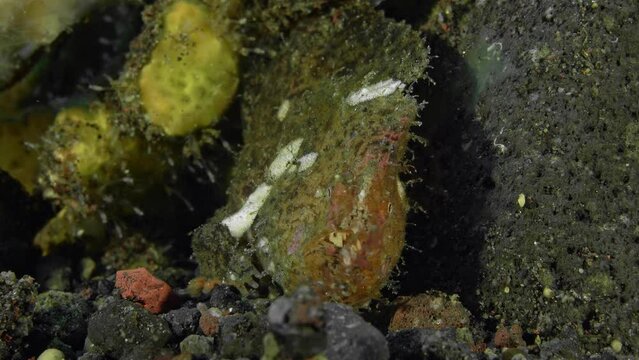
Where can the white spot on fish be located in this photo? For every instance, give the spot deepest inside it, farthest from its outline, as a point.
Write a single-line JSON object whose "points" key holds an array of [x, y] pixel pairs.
{"points": [[283, 110], [382, 88], [242, 220], [306, 161], [284, 159]]}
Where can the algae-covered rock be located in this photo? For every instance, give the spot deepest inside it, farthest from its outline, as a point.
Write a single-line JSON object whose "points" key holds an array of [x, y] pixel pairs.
{"points": [[62, 315], [433, 310], [241, 335], [125, 330], [17, 299], [315, 195], [134, 252], [198, 345]]}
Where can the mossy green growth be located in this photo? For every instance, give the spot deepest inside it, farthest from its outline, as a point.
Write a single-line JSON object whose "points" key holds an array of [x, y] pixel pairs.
{"points": [[601, 284], [92, 146], [124, 330], [66, 227], [315, 196], [271, 348], [17, 297]]}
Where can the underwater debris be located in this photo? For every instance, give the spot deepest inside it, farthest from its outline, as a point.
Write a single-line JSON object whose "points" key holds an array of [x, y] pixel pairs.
{"points": [[346, 184]]}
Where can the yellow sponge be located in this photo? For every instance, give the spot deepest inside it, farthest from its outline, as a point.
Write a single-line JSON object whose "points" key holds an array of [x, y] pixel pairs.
{"points": [[192, 74]]}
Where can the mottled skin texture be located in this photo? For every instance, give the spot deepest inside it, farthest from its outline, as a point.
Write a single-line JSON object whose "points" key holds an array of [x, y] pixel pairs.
{"points": [[340, 224]]}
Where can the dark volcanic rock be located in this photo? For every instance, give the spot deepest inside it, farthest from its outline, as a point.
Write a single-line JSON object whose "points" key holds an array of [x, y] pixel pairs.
{"points": [[198, 345], [62, 315], [241, 335], [227, 299], [91, 356], [303, 326], [427, 344], [298, 324], [125, 330], [567, 257], [182, 321], [350, 337]]}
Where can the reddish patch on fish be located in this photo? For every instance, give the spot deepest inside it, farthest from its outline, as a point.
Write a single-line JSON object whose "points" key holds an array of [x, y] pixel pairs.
{"points": [[367, 220]]}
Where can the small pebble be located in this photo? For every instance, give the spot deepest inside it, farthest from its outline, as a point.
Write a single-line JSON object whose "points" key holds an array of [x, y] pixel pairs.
{"points": [[51, 354], [198, 345], [209, 320], [350, 337], [140, 286], [521, 200], [183, 321], [616, 345]]}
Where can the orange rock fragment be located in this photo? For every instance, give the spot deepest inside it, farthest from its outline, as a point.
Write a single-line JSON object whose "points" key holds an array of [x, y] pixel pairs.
{"points": [[432, 310], [141, 286], [209, 322]]}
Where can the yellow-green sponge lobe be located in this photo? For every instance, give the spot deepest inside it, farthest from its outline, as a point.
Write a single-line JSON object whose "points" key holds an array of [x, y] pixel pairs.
{"points": [[192, 75]]}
